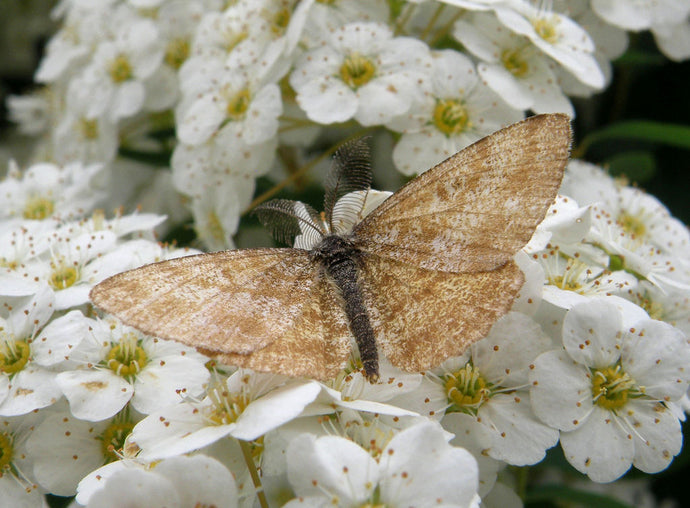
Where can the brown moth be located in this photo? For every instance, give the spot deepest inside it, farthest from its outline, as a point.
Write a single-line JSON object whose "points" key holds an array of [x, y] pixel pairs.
{"points": [[419, 279]]}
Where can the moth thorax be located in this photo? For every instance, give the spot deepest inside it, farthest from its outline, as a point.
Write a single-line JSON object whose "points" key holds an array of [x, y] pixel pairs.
{"points": [[333, 249]]}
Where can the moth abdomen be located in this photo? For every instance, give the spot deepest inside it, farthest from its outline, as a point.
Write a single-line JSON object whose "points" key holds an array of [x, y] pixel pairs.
{"points": [[338, 255]]}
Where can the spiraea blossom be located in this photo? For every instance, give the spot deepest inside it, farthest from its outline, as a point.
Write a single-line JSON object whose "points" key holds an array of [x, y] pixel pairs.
{"points": [[199, 110], [612, 389]]}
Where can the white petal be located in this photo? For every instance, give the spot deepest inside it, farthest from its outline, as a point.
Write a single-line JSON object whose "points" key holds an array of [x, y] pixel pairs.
{"points": [[32, 388], [518, 437], [65, 450], [128, 99], [94, 394], [200, 120], [13, 493], [200, 481], [59, 338], [97, 479], [327, 100], [382, 99], [504, 356], [600, 448], [176, 430], [332, 465], [592, 333], [657, 434], [166, 380], [561, 392], [657, 356], [4, 386], [275, 408], [504, 84], [136, 488], [476, 438], [414, 467]]}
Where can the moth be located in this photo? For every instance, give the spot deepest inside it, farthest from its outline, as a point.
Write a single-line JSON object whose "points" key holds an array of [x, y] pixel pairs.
{"points": [[419, 279]]}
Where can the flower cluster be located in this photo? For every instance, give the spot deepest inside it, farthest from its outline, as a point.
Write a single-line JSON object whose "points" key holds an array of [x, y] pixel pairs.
{"points": [[594, 354]]}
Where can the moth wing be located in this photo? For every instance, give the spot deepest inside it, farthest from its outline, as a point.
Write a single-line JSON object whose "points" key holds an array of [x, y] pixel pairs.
{"points": [[421, 317], [475, 210], [235, 301], [316, 346]]}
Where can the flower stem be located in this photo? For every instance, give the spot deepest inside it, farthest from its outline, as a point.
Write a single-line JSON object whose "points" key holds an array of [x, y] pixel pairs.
{"points": [[249, 460]]}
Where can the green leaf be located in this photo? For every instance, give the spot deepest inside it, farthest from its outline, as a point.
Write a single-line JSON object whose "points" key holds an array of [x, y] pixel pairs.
{"points": [[640, 130], [636, 165], [562, 493], [156, 159]]}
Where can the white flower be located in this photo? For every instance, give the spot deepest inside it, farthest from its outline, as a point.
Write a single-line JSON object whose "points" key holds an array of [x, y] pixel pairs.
{"points": [[69, 269], [45, 191], [113, 82], [78, 137], [244, 101], [64, 449], [513, 67], [216, 210], [490, 384], [176, 22], [641, 14], [557, 36], [17, 486], [458, 111], [69, 49], [572, 279], [117, 364], [21, 241], [27, 381], [245, 406], [326, 17], [361, 71], [611, 391], [412, 470], [177, 482], [31, 112]]}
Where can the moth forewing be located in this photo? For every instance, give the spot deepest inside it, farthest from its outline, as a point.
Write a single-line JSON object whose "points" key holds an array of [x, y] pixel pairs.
{"points": [[475, 210]]}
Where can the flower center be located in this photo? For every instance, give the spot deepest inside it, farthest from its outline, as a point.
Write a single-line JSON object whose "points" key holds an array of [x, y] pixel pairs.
{"points": [[227, 407], [128, 357], [450, 117], [546, 29], [5, 453], [467, 389], [120, 69], [38, 208], [611, 387], [113, 439], [566, 283], [632, 224], [514, 62], [357, 70], [176, 52], [14, 355], [238, 104], [63, 276], [88, 128], [280, 21], [654, 308]]}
